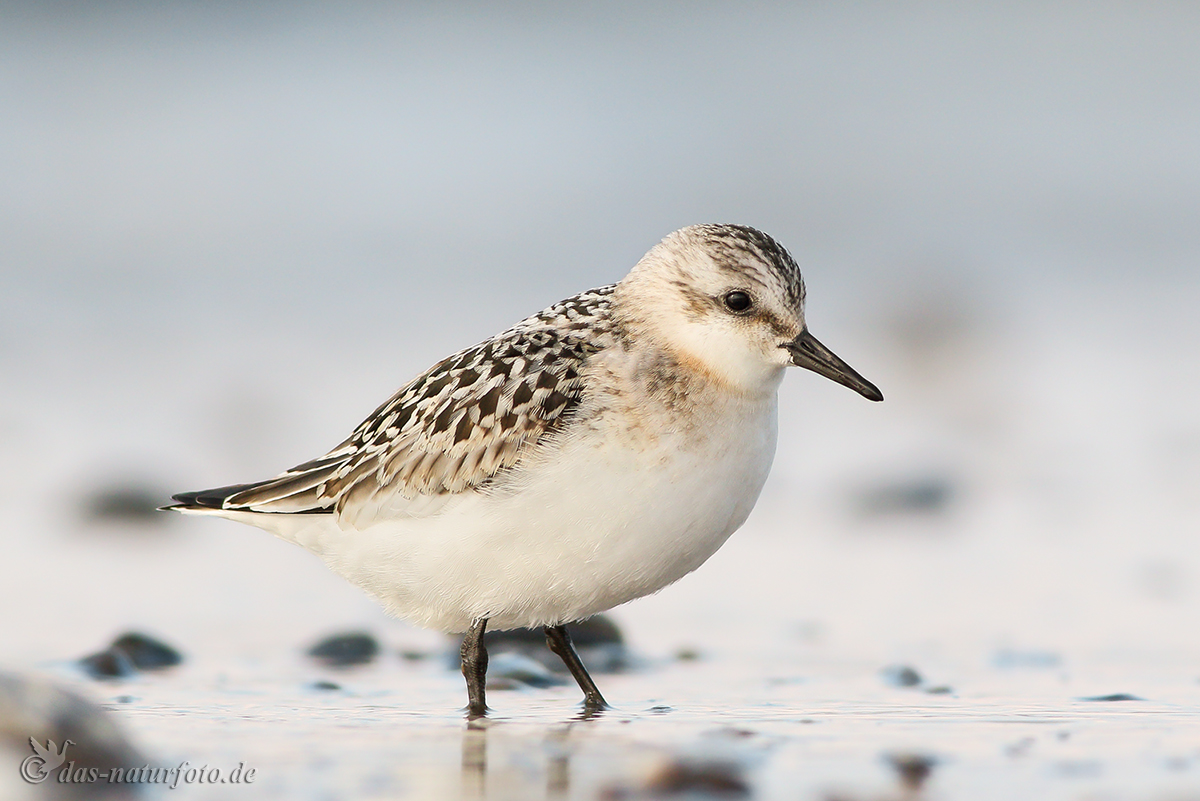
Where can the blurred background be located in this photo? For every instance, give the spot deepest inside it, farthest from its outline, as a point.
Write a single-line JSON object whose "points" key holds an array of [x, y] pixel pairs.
{"points": [[228, 231]]}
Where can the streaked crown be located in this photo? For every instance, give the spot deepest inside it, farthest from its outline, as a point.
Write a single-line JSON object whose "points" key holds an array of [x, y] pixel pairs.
{"points": [[721, 297]]}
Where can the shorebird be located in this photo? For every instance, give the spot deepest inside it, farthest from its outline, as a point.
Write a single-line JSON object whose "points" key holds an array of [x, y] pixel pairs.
{"points": [[589, 455]]}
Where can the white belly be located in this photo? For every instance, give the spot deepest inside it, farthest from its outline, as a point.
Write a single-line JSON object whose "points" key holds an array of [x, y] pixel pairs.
{"points": [[595, 524]]}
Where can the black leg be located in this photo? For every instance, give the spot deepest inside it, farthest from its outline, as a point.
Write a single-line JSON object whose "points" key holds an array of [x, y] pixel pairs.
{"points": [[474, 668], [560, 643]]}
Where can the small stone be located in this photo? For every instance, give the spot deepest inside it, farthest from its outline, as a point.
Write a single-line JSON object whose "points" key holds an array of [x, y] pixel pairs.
{"points": [[597, 640], [1080, 768], [345, 650], [941, 689], [919, 496], [1020, 748], [127, 654], [111, 663], [685, 778], [145, 652], [129, 504], [1113, 697], [785, 681], [71, 729], [901, 676], [597, 630], [913, 769], [734, 732], [1009, 658], [698, 779], [810, 631], [662, 709], [519, 668], [325, 685], [687, 655]]}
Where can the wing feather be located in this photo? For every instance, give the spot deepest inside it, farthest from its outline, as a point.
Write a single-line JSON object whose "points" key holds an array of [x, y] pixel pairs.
{"points": [[453, 428]]}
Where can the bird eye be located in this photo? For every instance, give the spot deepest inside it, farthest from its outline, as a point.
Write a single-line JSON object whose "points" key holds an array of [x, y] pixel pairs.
{"points": [[738, 301]]}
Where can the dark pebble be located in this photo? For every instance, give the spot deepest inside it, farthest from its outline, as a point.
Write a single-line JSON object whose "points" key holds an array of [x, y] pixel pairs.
{"points": [[900, 676], [913, 769], [1113, 697], [598, 630], [597, 639], [345, 650], [515, 667], [325, 685], [1020, 748], [924, 496], [34, 708], [1080, 768], [734, 732], [126, 505], [785, 681], [127, 654], [1008, 658], [111, 663], [698, 779], [145, 652], [941, 689]]}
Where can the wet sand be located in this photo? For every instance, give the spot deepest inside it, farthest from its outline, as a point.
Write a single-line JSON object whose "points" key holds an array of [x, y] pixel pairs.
{"points": [[225, 238]]}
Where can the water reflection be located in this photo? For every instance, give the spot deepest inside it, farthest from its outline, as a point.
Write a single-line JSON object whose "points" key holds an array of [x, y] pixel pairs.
{"points": [[558, 763], [475, 760]]}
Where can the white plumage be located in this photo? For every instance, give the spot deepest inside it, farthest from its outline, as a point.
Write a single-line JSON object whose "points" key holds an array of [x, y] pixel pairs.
{"points": [[592, 454]]}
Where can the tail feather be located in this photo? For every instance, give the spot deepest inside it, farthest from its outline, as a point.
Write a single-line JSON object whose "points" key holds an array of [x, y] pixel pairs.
{"points": [[206, 499], [296, 491], [225, 499]]}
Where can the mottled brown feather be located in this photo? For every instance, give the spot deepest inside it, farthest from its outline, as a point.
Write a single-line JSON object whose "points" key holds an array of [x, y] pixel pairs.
{"points": [[457, 425]]}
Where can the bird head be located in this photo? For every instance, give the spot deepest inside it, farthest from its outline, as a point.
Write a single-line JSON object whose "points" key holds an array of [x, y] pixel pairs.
{"points": [[729, 301]]}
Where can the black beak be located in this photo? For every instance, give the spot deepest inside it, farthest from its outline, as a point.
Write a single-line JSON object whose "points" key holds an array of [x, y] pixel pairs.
{"points": [[810, 354]]}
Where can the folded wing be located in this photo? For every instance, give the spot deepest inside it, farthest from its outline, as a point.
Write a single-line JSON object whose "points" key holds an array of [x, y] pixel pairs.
{"points": [[451, 430]]}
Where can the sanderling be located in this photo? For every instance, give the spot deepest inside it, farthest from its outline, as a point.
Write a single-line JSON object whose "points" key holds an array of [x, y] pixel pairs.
{"points": [[589, 455]]}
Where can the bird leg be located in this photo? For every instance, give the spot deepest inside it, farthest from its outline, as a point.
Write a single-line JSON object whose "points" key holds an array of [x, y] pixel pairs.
{"points": [[474, 669], [560, 643]]}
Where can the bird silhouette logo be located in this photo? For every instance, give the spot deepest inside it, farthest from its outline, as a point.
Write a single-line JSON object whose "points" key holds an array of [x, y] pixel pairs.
{"points": [[45, 759]]}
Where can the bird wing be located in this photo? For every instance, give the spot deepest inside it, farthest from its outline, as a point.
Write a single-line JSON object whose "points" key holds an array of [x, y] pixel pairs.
{"points": [[450, 430]]}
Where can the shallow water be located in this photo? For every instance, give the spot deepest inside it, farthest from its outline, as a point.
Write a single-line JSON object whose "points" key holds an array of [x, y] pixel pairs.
{"points": [[788, 688], [790, 723], [225, 237]]}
